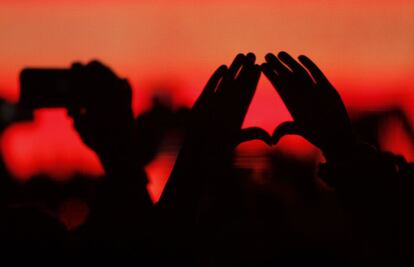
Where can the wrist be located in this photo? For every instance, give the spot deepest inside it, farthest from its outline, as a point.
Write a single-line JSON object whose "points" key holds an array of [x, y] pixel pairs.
{"points": [[361, 170], [348, 149]]}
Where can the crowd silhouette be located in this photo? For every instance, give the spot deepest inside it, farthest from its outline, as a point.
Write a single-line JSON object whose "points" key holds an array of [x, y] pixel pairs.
{"points": [[352, 209]]}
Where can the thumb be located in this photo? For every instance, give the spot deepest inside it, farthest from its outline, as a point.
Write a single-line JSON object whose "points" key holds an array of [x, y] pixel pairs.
{"points": [[285, 128], [254, 133]]}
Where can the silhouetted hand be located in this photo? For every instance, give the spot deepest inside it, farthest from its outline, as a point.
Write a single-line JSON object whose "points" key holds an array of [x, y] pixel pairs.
{"points": [[102, 113], [215, 128], [219, 112], [214, 131], [200, 178], [316, 107], [103, 117]]}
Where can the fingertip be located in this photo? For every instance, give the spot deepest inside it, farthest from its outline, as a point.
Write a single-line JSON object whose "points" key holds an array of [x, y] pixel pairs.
{"points": [[251, 57], [222, 68], [283, 54], [76, 65], [269, 56], [238, 62], [94, 62], [93, 65], [303, 58], [307, 62], [240, 56], [287, 58], [220, 71]]}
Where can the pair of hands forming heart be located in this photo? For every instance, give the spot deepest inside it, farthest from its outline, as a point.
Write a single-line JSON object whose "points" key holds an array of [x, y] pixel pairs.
{"points": [[317, 109]]}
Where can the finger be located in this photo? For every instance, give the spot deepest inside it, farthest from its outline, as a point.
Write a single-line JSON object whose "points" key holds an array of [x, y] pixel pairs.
{"points": [[250, 59], [289, 95], [248, 77], [96, 66], [294, 65], [273, 77], [77, 70], [232, 72], [100, 84], [77, 66], [277, 81], [277, 65], [251, 81], [210, 87], [237, 100], [235, 66], [285, 128], [255, 76], [247, 65], [214, 80], [73, 107], [247, 83], [316, 73], [254, 133]]}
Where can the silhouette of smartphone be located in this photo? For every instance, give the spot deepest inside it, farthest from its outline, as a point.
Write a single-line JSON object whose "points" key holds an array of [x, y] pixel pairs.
{"points": [[44, 88]]}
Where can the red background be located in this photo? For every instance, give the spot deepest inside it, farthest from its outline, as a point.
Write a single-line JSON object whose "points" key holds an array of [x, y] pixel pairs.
{"points": [[364, 47]]}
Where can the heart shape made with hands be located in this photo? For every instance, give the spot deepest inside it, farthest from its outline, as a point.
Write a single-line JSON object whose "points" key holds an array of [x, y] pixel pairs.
{"points": [[257, 133]]}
